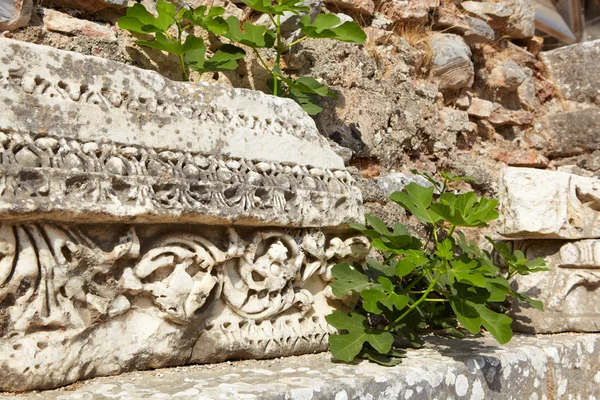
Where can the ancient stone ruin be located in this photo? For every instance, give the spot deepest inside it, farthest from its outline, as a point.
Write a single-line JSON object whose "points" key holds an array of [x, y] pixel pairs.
{"points": [[148, 223], [557, 216]]}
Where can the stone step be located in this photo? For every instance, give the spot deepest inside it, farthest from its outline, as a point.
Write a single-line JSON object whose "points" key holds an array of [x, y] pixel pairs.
{"points": [[529, 367], [574, 69]]}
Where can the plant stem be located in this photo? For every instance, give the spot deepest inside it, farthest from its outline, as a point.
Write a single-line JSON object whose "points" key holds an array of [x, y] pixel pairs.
{"points": [[295, 42], [275, 78], [183, 72], [181, 58], [415, 304], [262, 61], [436, 300], [451, 231], [413, 283]]}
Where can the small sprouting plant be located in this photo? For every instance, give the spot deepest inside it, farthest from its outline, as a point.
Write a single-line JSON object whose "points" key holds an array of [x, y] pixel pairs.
{"points": [[443, 284], [171, 28]]}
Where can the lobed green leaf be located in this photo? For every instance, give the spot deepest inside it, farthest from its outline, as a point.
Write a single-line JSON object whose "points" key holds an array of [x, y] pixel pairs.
{"points": [[348, 279], [347, 346], [330, 26]]}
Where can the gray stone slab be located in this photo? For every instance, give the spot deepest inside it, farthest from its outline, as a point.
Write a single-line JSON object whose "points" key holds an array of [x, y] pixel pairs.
{"points": [[564, 366], [575, 70], [575, 132]]}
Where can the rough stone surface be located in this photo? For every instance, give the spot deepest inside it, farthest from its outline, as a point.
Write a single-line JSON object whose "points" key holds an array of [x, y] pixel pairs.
{"points": [[413, 11], [89, 6], [361, 6], [572, 133], [480, 108], [507, 75], [396, 181], [15, 14], [194, 179], [60, 22], [451, 65], [473, 29], [402, 113], [158, 138], [549, 204], [529, 367], [569, 290], [574, 70], [495, 14], [521, 24]]}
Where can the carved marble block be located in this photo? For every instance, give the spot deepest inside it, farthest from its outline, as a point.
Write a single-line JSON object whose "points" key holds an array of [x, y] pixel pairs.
{"points": [[549, 207], [148, 223], [570, 291], [549, 204]]}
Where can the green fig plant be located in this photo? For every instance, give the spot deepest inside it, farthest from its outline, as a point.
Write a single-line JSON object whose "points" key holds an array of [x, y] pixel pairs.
{"points": [[173, 32], [446, 284]]}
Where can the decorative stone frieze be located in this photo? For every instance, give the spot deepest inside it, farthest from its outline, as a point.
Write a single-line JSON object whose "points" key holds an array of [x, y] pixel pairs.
{"points": [[550, 207], [570, 291], [150, 223]]}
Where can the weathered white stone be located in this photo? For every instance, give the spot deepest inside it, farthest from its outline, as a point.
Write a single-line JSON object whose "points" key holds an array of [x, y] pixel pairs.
{"points": [[549, 204], [155, 296], [495, 14], [60, 22], [569, 290], [197, 183], [183, 135], [528, 367]]}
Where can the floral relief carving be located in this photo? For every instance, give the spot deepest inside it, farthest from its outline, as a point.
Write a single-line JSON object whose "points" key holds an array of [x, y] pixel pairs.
{"points": [[105, 174], [53, 277]]}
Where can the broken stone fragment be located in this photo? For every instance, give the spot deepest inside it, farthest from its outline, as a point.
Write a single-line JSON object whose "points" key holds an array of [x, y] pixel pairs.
{"points": [[549, 204], [413, 11], [57, 21], [495, 14], [575, 71], [502, 116], [89, 6], [507, 75], [396, 181], [15, 14], [520, 158], [474, 30], [592, 161], [572, 133], [480, 108], [569, 290], [451, 65], [526, 92], [455, 122], [360, 6], [521, 24], [463, 101]]}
